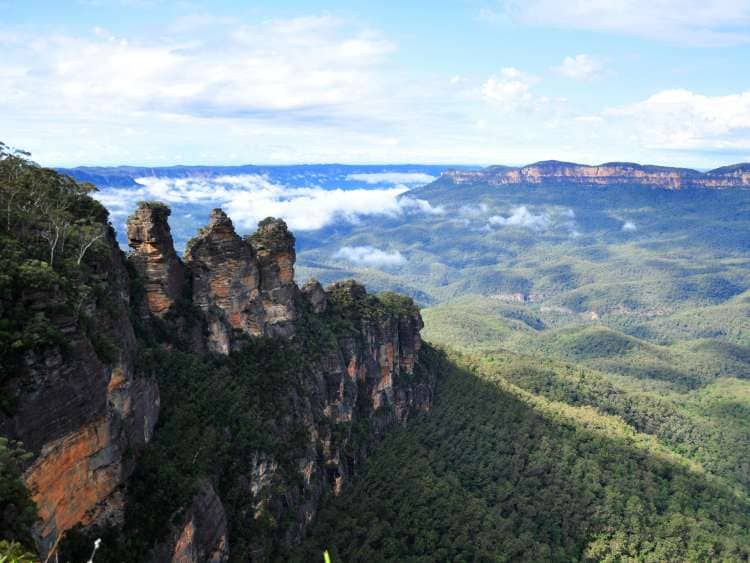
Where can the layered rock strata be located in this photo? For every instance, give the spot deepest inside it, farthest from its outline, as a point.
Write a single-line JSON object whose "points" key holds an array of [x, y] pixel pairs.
{"points": [[154, 257], [612, 173]]}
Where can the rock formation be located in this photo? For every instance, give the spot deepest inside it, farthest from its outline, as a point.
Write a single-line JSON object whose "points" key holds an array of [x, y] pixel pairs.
{"points": [[243, 286], [373, 376], [85, 414], [274, 248], [611, 173], [225, 282], [315, 295], [369, 374], [154, 256]]}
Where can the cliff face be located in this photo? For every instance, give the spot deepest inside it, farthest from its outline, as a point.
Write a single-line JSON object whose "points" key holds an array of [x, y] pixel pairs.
{"points": [[274, 247], [612, 173], [371, 377], [225, 282], [80, 413], [351, 364], [366, 376], [203, 536]]}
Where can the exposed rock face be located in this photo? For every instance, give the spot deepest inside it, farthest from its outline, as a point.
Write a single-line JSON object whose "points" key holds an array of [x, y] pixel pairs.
{"points": [[274, 248], [315, 295], [203, 536], [244, 287], [79, 414], [735, 176], [371, 378], [226, 281], [611, 173], [154, 257]]}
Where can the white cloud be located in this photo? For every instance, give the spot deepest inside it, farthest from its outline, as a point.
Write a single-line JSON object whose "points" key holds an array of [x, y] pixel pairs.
{"points": [[629, 227], [681, 119], [408, 178], [218, 90], [509, 89], [249, 198], [370, 256], [522, 217], [414, 205], [702, 22], [300, 64], [580, 67], [473, 210]]}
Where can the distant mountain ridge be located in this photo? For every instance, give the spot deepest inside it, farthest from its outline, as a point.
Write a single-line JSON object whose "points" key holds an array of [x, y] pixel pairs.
{"points": [[292, 174], [609, 173]]}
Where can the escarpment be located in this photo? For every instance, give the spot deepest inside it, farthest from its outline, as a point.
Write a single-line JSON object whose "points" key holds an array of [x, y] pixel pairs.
{"points": [[79, 407], [357, 372], [268, 397], [608, 174]]}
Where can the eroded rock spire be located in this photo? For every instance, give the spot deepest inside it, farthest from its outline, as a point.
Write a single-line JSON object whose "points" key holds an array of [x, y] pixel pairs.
{"points": [[154, 256]]}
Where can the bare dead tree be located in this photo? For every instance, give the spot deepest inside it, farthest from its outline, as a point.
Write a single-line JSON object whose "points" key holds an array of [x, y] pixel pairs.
{"points": [[87, 236]]}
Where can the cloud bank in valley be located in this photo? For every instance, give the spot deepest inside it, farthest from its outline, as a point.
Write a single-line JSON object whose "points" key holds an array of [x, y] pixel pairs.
{"points": [[406, 178], [249, 198], [370, 256], [522, 217]]}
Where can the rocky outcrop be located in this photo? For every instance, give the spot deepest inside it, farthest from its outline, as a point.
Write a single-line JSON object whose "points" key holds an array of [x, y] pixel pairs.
{"points": [[81, 409], [274, 249], [244, 287], [315, 296], [373, 377], [612, 173], [350, 364], [154, 256], [225, 282], [343, 395]]}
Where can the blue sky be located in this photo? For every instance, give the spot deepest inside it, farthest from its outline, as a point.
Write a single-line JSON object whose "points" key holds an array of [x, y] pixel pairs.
{"points": [[467, 81]]}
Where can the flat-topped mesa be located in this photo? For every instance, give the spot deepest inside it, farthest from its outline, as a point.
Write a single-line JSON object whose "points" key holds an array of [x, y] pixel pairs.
{"points": [[154, 257], [225, 282], [736, 175], [611, 173], [274, 249]]}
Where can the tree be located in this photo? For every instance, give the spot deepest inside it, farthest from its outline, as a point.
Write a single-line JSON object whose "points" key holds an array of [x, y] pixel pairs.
{"points": [[87, 235], [17, 511]]}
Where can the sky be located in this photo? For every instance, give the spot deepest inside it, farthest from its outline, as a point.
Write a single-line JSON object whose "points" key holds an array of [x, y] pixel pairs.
{"points": [[149, 82]]}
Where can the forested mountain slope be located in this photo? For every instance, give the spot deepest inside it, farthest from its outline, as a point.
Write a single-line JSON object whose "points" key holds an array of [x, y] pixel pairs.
{"points": [[498, 473]]}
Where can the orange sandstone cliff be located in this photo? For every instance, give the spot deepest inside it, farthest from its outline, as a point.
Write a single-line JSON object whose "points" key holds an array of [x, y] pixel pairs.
{"points": [[609, 174]]}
